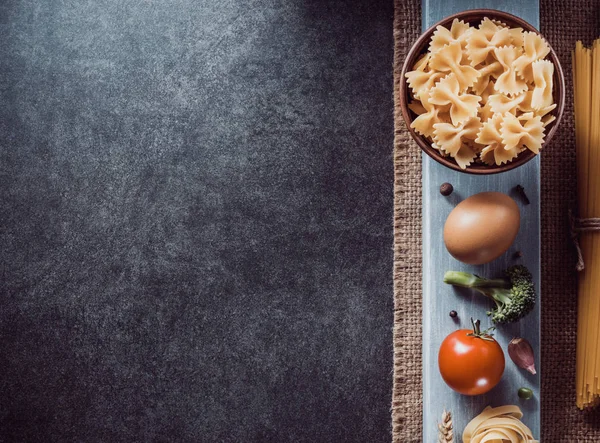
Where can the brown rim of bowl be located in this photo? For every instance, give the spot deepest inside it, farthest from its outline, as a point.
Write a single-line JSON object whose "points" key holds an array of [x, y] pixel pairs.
{"points": [[421, 45]]}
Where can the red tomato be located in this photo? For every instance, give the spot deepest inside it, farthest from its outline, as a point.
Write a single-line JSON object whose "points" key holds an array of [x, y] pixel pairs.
{"points": [[470, 365]]}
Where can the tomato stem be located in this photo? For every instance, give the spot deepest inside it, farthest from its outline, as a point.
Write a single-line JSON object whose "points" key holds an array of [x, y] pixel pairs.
{"points": [[477, 332]]}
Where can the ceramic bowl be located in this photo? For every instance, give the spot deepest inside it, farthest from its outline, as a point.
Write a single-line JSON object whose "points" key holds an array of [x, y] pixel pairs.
{"points": [[474, 17]]}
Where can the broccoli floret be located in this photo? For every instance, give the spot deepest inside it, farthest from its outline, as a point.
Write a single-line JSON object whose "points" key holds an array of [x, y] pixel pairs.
{"points": [[514, 296]]}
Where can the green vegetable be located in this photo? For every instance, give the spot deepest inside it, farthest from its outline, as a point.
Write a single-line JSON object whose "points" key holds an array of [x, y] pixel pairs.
{"points": [[514, 296], [525, 393]]}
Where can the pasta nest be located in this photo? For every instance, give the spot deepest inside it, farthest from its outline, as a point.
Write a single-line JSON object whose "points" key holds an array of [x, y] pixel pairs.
{"points": [[498, 425]]}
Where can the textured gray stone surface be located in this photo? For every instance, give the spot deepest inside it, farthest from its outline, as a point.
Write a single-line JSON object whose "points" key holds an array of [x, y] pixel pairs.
{"points": [[196, 220]]}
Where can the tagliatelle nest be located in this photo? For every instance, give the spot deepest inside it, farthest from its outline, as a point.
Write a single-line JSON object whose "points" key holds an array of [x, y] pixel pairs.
{"points": [[483, 93], [498, 425]]}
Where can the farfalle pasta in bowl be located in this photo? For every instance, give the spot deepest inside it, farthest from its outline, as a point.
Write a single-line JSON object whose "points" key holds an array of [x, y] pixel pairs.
{"points": [[482, 91]]}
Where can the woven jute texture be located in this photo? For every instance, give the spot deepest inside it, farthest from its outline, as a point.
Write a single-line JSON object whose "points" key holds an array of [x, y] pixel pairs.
{"points": [[563, 23], [406, 400]]}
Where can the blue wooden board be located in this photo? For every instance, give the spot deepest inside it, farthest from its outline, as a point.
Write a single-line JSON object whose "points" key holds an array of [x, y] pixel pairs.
{"points": [[439, 299]]}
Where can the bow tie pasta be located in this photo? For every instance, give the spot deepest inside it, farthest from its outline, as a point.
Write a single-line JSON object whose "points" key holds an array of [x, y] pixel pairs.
{"points": [[495, 151], [517, 134], [486, 75], [480, 46], [450, 138], [429, 115], [543, 70], [534, 48], [447, 93], [483, 93], [509, 83], [458, 32], [449, 59]]}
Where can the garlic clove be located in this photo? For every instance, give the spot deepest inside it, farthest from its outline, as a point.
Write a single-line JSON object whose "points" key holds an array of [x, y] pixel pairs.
{"points": [[521, 353]]}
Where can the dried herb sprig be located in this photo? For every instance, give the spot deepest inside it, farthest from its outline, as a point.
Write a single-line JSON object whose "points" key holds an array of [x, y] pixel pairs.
{"points": [[445, 428], [521, 191]]}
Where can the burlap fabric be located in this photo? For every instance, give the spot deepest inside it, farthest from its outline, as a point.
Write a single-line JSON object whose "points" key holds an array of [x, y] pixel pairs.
{"points": [[562, 22]]}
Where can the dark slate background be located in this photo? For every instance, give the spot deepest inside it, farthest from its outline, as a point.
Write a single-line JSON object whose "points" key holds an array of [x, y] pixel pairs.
{"points": [[195, 220]]}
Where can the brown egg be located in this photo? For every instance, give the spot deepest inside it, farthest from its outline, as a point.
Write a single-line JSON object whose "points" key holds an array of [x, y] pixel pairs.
{"points": [[482, 227]]}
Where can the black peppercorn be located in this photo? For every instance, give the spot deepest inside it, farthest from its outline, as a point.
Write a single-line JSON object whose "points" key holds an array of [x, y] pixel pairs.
{"points": [[446, 189], [518, 254], [453, 314]]}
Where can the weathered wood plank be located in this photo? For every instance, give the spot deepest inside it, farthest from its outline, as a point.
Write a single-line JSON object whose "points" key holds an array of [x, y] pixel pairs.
{"points": [[439, 299]]}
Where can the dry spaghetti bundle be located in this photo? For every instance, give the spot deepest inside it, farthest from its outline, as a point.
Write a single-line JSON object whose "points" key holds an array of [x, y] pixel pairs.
{"points": [[586, 81]]}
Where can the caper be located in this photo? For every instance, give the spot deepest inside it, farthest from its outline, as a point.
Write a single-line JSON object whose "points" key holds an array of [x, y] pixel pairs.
{"points": [[525, 393]]}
